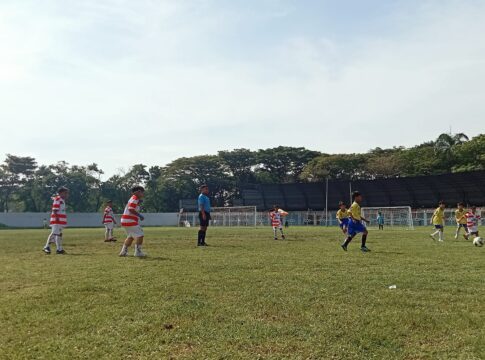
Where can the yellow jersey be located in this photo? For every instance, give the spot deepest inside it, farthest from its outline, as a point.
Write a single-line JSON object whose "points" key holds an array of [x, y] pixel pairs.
{"points": [[460, 216], [438, 216], [355, 211], [342, 214]]}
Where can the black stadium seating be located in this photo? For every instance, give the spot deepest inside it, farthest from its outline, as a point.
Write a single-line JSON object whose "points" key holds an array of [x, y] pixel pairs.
{"points": [[417, 192]]}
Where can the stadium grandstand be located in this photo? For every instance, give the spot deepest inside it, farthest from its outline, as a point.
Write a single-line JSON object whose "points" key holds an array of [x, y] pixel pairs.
{"points": [[416, 192]]}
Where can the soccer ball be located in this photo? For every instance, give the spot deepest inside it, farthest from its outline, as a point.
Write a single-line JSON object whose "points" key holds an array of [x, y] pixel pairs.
{"points": [[478, 241]]}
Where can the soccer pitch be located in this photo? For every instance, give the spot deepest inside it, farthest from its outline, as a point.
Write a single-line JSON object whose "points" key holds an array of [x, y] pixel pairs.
{"points": [[244, 297]]}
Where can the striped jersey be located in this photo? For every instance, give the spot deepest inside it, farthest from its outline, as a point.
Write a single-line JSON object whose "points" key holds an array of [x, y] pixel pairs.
{"points": [[108, 216], [472, 221], [275, 217], [128, 219], [58, 214]]}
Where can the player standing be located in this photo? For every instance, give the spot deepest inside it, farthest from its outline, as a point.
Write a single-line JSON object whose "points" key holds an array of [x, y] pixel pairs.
{"points": [[343, 217], [461, 220], [204, 206], [380, 220], [356, 223], [472, 222], [109, 222], [58, 221], [130, 221], [438, 220], [276, 216]]}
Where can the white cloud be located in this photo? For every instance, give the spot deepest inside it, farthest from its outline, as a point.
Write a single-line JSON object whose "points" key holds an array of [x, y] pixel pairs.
{"points": [[83, 81]]}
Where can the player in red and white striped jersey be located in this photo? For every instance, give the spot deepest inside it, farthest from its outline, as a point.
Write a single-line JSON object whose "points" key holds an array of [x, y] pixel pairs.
{"points": [[109, 221], [472, 221], [276, 216], [58, 221], [130, 221]]}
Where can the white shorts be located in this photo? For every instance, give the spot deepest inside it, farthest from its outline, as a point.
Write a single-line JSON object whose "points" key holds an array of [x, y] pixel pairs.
{"points": [[109, 226], [473, 229], [56, 229], [134, 231]]}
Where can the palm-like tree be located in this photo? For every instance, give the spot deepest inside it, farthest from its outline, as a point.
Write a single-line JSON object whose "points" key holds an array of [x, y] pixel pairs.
{"points": [[445, 142]]}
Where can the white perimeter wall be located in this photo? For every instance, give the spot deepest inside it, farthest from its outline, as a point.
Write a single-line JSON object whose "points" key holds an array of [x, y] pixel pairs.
{"points": [[36, 220]]}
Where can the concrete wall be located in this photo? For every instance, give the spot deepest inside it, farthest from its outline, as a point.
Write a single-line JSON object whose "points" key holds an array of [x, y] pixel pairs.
{"points": [[35, 220]]}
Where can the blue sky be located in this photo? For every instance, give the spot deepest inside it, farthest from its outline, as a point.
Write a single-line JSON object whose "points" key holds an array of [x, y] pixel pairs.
{"points": [[120, 82]]}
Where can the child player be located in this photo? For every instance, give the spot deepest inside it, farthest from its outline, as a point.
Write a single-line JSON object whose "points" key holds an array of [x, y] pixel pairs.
{"points": [[380, 220], [58, 221], [472, 219], [356, 223], [276, 215], [343, 217], [460, 218], [109, 222], [130, 221], [438, 220]]}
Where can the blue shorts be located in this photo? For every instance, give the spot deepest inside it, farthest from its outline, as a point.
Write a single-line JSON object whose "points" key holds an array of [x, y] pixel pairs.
{"points": [[344, 222], [355, 227], [438, 226]]}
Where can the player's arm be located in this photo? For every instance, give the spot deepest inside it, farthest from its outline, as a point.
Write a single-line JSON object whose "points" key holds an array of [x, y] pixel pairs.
{"points": [[136, 213]]}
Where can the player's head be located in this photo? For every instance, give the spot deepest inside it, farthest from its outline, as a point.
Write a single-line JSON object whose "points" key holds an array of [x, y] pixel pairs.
{"points": [[442, 204], [275, 207], [109, 203], [63, 192], [138, 190], [356, 196], [460, 205], [473, 208], [204, 189], [342, 205]]}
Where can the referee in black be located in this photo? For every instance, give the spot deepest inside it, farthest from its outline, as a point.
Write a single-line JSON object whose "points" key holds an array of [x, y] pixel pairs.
{"points": [[204, 205]]}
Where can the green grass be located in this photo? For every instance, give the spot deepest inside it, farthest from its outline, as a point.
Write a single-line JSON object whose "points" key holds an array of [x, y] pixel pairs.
{"points": [[244, 297]]}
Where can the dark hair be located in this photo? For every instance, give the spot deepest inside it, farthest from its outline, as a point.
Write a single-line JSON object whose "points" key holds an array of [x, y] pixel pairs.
{"points": [[109, 201], [203, 186], [340, 203], [136, 188], [461, 204], [355, 194], [62, 189]]}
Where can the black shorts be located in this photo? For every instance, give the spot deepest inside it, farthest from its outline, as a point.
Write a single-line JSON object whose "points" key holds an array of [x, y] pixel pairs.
{"points": [[205, 222], [464, 226]]}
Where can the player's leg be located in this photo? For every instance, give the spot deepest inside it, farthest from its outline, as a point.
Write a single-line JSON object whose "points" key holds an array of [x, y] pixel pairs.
{"points": [[139, 243], [441, 236], [60, 249], [437, 230], [457, 232], [275, 233], [50, 239], [363, 247], [282, 233], [127, 243], [106, 233]]}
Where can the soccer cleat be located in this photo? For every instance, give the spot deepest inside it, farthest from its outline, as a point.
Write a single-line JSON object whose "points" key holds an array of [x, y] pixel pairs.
{"points": [[123, 253], [364, 249], [107, 240], [456, 236], [47, 250], [283, 237], [344, 246], [432, 237], [61, 252], [276, 238], [140, 253]]}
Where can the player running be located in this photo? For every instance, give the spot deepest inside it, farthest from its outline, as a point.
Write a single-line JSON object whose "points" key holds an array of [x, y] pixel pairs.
{"points": [[438, 220], [130, 221], [109, 222], [461, 221], [356, 223], [472, 221], [276, 216], [343, 217], [58, 221]]}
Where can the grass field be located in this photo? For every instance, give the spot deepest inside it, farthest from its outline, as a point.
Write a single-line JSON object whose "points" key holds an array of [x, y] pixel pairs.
{"points": [[244, 297]]}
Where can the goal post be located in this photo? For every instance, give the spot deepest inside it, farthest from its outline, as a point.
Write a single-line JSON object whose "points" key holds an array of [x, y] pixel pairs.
{"points": [[223, 216], [394, 216]]}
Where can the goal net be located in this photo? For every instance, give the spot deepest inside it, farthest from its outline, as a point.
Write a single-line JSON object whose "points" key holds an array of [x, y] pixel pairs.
{"points": [[394, 217], [223, 216]]}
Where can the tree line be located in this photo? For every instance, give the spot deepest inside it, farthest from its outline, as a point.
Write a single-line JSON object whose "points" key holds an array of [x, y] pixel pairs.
{"points": [[27, 186]]}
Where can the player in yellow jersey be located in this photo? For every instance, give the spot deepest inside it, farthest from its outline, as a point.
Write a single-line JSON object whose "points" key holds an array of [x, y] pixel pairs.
{"points": [[343, 217], [460, 217], [356, 223], [438, 220]]}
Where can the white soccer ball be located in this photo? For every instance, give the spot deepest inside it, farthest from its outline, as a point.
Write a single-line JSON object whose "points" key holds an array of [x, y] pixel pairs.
{"points": [[478, 241]]}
